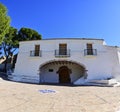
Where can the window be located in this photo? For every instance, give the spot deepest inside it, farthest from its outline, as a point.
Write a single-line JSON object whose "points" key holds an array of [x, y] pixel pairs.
{"points": [[89, 49], [62, 49], [37, 50], [50, 70]]}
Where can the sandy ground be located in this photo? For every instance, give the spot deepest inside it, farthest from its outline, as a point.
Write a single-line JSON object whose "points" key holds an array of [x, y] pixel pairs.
{"points": [[20, 97]]}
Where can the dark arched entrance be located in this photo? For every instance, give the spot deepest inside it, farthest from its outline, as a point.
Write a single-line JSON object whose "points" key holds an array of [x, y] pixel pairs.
{"points": [[64, 74]]}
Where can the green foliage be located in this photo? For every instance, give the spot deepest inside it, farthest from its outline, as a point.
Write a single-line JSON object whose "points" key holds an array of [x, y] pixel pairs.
{"points": [[4, 22], [25, 34], [11, 38], [9, 45], [11, 41]]}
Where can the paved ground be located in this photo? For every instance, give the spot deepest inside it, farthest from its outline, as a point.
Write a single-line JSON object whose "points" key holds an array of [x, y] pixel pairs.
{"points": [[19, 97]]}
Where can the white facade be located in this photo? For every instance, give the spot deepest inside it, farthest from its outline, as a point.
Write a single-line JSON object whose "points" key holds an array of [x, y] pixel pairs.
{"points": [[75, 62]]}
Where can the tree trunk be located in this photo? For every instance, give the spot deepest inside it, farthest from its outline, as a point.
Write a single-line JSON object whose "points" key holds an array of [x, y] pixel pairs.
{"points": [[5, 65]]}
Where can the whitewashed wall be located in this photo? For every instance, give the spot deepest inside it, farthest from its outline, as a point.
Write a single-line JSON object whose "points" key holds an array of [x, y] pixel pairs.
{"points": [[103, 65]]}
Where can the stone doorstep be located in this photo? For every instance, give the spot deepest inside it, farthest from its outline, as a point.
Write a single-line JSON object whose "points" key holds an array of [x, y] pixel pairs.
{"points": [[111, 83], [98, 81]]}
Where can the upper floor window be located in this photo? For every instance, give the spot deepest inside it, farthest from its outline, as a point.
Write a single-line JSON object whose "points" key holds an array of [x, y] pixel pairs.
{"points": [[37, 50], [62, 49], [89, 49]]}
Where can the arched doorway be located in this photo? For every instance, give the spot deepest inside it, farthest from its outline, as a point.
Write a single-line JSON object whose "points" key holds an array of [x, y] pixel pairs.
{"points": [[64, 74], [61, 71]]}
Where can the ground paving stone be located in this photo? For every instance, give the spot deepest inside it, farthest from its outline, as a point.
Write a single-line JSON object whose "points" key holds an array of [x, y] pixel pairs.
{"points": [[21, 97]]}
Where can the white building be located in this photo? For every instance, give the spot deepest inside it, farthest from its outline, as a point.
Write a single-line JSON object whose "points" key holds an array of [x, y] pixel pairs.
{"points": [[68, 60]]}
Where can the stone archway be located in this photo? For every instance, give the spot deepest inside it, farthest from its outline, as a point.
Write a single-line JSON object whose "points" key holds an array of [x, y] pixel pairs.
{"points": [[61, 71], [64, 74]]}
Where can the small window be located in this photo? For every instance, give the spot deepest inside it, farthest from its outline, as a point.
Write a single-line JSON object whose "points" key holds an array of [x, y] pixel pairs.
{"points": [[50, 70]]}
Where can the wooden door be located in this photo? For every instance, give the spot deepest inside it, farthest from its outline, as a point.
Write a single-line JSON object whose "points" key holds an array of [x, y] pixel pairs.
{"points": [[64, 75]]}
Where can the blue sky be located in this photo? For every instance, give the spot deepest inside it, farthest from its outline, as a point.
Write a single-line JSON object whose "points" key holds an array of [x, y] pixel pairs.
{"points": [[68, 18]]}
